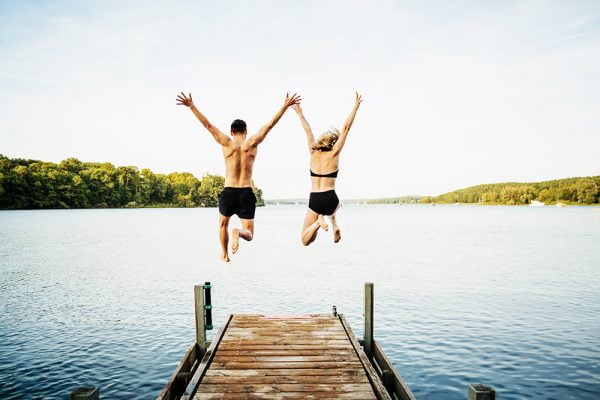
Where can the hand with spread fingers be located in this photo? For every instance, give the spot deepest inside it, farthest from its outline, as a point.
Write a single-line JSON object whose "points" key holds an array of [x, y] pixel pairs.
{"points": [[292, 101], [358, 99], [183, 100]]}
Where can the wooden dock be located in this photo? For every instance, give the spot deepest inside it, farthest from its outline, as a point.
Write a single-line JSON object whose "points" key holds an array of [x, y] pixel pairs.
{"points": [[309, 356], [288, 357]]}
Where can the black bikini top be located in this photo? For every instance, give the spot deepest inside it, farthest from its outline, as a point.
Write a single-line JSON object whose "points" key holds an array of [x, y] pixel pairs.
{"points": [[329, 175]]}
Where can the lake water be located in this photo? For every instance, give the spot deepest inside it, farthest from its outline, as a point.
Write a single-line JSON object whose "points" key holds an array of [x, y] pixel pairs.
{"points": [[508, 296]]}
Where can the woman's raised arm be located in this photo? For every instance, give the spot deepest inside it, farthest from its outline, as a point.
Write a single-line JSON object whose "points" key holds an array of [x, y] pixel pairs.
{"points": [[309, 135], [337, 147]]}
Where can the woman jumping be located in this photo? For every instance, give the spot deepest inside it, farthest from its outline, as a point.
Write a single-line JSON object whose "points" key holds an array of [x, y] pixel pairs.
{"points": [[324, 162]]}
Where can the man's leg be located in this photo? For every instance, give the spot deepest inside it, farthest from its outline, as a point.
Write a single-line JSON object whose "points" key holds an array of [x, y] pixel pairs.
{"points": [[224, 236], [246, 233]]}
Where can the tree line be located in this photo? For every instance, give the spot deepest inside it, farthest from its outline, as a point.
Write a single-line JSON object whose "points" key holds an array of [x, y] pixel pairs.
{"points": [[580, 190], [30, 184], [395, 200]]}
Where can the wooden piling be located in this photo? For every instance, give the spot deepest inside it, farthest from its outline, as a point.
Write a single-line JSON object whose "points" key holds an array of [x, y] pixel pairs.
{"points": [[368, 332], [477, 391], [200, 327], [85, 393]]}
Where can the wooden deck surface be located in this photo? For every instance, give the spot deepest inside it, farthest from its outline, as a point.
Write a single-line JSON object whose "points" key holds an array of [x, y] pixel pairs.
{"points": [[288, 357]]}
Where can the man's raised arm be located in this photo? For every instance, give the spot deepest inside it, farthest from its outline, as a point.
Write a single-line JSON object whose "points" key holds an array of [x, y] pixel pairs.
{"points": [[256, 139], [220, 137]]}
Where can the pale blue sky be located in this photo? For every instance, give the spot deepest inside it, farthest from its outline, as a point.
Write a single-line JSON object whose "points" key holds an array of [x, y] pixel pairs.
{"points": [[456, 93]]}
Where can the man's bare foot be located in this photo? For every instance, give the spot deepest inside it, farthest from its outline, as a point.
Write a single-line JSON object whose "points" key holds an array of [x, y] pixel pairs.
{"points": [[322, 223], [224, 257], [337, 235], [235, 240]]}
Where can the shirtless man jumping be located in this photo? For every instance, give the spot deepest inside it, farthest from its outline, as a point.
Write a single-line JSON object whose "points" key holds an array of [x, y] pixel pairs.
{"points": [[239, 153]]}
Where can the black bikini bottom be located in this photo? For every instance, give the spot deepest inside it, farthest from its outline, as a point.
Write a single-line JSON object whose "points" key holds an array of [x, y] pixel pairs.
{"points": [[324, 203]]}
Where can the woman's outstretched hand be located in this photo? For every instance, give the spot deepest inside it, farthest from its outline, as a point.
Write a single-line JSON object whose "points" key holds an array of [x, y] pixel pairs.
{"points": [[357, 100], [292, 101], [183, 100], [297, 108]]}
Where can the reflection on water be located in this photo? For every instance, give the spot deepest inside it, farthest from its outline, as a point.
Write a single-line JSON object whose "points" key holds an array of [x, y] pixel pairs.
{"points": [[507, 296]]}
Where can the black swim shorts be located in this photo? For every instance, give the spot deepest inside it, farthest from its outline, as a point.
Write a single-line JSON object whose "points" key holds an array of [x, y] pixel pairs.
{"points": [[240, 201], [324, 203]]}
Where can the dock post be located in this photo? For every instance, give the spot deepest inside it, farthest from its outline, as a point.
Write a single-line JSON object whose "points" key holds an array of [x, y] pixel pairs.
{"points": [[85, 393], [368, 333], [200, 326], [477, 391], [207, 306]]}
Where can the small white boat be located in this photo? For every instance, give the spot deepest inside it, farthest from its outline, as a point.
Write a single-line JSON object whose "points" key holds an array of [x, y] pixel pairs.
{"points": [[535, 203], [561, 205]]}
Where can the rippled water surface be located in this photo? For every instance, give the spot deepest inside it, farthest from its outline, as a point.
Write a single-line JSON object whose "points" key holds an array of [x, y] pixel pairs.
{"points": [[508, 296]]}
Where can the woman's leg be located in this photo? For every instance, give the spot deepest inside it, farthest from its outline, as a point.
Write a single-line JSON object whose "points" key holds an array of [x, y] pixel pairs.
{"points": [[337, 234], [312, 223]]}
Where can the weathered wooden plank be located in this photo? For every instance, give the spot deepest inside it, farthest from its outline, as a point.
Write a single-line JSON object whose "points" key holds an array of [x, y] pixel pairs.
{"points": [[225, 351], [204, 364], [287, 372], [281, 388], [286, 379], [283, 336], [289, 327], [287, 331], [328, 330], [378, 387], [242, 346], [291, 322], [289, 341], [277, 365], [287, 395], [176, 384], [245, 317], [285, 358], [400, 388], [276, 330]]}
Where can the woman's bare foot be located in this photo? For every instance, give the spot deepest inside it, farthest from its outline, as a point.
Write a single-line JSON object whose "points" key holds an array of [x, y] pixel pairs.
{"points": [[337, 235], [235, 240], [322, 223], [224, 257]]}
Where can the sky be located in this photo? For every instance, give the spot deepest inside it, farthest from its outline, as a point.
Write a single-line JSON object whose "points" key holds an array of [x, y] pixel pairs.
{"points": [[455, 93]]}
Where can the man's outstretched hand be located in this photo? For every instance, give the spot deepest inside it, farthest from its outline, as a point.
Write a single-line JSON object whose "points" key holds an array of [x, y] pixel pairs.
{"points": [[183, 100], [291, 101]]}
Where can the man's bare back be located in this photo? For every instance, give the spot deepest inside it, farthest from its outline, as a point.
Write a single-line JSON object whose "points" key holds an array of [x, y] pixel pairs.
{"points": [[237, 197], [239, 157]]}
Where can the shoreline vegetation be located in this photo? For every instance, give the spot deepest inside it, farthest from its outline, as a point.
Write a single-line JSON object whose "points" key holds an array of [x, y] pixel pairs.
{"points": [[568, 191], [34, 184]]}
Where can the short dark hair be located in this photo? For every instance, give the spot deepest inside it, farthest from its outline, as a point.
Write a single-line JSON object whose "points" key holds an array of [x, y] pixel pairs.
{"points": [[238, 126]]}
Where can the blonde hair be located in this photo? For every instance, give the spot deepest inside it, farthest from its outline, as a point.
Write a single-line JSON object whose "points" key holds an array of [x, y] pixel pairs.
{"points": [[327, 140]]}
